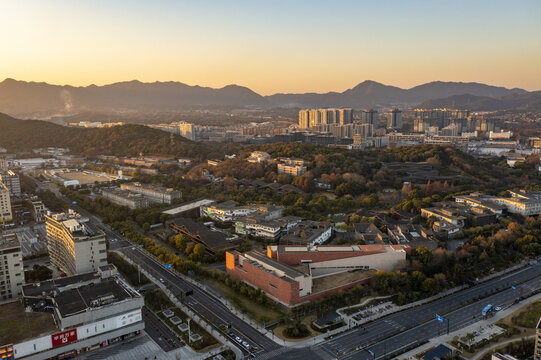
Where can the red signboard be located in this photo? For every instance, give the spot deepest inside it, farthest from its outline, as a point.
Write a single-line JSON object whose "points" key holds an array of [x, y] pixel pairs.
{"points": [[64, 338]]}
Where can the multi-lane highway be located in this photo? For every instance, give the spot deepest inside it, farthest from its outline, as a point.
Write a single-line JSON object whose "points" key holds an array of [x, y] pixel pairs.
{"points": [[379, 339], [205, 304], [394, 333]]}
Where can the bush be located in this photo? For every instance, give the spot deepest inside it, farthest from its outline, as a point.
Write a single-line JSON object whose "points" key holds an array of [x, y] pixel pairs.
{"points": [[297, 331]]}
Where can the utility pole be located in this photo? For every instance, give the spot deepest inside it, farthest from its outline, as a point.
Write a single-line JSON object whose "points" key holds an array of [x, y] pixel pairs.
{"points": [[448, 326], [189, 332]]}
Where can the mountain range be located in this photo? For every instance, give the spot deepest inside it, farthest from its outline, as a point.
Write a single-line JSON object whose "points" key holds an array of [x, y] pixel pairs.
{"points": [[524, 101], [28, 99]]}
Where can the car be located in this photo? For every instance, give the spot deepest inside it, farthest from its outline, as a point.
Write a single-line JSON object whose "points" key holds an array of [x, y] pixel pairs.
{"points": [[231, 334], [161, 280], [246, 345], [497, 308], [239, 340]]}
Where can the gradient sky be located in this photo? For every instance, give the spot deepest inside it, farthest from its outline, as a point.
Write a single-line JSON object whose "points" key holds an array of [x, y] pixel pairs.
{"points": [[272, 46]]}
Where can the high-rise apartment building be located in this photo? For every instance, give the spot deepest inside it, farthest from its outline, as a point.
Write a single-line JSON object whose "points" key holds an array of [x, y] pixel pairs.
{"points": [[11, 267], [370, 116], [315, 117], [11, 180], [394, 120], [75, 246], [304, 119], [5, 204], [346, 116]]}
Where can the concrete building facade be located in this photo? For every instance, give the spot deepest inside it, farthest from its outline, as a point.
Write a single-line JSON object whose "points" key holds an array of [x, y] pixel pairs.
{"points": [[125, 198], [12, 182], [156, 194], [11, 267], [75, 246], [5, 205]]}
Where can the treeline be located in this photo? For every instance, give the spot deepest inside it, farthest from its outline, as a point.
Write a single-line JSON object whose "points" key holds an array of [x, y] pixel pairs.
{"points": [[127, 140]]}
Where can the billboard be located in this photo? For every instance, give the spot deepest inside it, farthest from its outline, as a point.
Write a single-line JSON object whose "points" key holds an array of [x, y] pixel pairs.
{"points": [[64, 338], [6, 352], [128, 318]]}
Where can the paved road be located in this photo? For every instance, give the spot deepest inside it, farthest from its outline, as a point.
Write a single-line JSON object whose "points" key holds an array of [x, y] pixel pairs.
{"points": [[398, 331], [203, 303], [382, 337], [159, 332]]}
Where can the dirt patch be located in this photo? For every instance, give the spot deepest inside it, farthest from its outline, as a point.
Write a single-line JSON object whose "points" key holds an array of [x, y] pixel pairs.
{"points": [[16, 325], [332, 281]]}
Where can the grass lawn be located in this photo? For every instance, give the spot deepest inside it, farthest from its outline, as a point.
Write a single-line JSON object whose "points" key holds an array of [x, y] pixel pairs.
{"points": [[260, 313], [16, 325]]}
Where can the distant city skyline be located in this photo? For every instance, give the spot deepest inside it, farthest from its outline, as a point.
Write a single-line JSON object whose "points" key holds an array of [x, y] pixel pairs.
{"points": [[273, 47]]}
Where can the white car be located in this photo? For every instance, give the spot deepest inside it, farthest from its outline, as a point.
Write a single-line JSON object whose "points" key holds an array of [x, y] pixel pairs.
{"points": [[246, 345], [239, 340]]}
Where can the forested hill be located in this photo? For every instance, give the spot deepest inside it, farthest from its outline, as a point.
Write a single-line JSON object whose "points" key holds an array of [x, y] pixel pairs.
{"points": [[127, 140]]}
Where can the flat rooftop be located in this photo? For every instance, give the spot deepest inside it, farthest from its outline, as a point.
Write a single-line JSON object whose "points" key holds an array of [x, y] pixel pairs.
{"points": [[16, 325], [288, 270], [188, 206], [37, 289], [9, 241], [343, 278], [77, 300]]}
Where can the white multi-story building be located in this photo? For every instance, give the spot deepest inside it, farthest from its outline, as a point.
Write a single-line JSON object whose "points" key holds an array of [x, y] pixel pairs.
{"points": [[11, 267], [293, 170], [156, 194], [521, 202], [76, 314], [75, 246], [5, 205], [258, 157], [12, 182]]}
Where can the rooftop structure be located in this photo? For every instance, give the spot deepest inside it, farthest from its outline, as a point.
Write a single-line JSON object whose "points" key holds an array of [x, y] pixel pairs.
{"points": [[192, 207], [307, 233], [215, 241], [229, 211], [75, 245], [88, 309]]}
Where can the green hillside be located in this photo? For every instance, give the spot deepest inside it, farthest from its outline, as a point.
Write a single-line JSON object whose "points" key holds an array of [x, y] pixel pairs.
{"points": [[25, 135]]}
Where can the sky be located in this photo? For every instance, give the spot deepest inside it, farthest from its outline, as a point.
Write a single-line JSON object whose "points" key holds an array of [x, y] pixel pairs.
{"points": [[272, 46]]}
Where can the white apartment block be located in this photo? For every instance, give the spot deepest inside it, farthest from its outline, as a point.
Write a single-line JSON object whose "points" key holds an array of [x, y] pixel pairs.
{"points": [[75, 246], [11, 268], [5, 204]]}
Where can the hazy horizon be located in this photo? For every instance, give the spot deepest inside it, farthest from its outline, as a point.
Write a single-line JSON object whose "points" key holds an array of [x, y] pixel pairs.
{"points": [[278, 47]]}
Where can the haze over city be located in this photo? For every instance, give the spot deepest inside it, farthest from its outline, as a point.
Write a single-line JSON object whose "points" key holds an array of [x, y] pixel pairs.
{"points": [[272, 47], [270, 180]]}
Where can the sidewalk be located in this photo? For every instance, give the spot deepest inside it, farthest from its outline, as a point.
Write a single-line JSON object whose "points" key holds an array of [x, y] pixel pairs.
{"points": [[191, 353], [443, 339]]}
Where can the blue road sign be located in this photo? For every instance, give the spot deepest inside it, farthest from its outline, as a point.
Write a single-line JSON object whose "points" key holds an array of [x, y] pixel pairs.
{"points": [[440, 318], [513, 287], [140, 246], [74, 202], [168, 266]]}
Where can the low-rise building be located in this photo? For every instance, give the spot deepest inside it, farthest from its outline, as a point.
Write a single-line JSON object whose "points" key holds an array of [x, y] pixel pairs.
{"points": [[293, 170], [258, 157], [38, 209], [156, 194], [307, 233], [11, 267], [229, 211], [215, 241], [258, 226], [75, 245], [77, 314], [125, 198], [523, 202], [298, 274]]}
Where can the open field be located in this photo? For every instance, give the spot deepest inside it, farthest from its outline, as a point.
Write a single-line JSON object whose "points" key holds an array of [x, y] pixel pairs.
{"points": [[85, 177]]}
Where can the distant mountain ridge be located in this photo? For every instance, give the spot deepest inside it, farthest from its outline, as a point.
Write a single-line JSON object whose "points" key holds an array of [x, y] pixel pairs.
{"points": [[20, 98], [523, 101]]}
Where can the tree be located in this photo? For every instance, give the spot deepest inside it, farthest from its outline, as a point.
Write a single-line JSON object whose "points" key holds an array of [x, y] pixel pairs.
{"points": [[423, 254], [199, 250]]}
